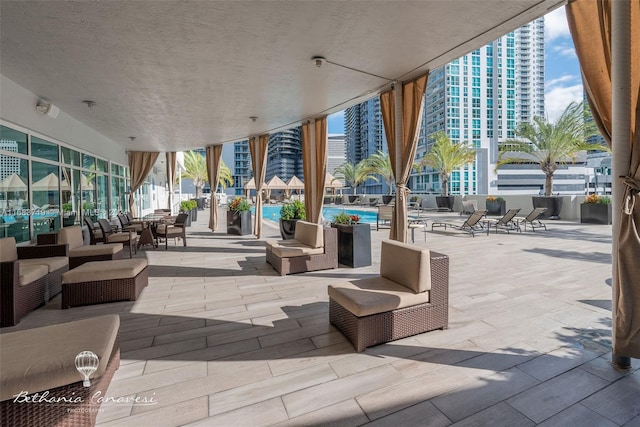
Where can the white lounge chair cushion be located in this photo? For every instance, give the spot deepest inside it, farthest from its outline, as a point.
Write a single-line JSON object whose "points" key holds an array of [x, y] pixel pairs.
{"points": [[29, 273], [51, 352], [71, 236], [121, 237], [309, 234], [413, 272], [105, 270], [374, 295], [89, 250], [53, 263], [8, 250]]}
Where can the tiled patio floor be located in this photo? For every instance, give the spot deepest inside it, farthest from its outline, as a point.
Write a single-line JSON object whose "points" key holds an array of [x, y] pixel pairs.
{"points": [[218, 339]]}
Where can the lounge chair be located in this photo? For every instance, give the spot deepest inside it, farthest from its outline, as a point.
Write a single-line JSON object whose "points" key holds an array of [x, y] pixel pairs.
{"points": [[95, 233], [407, 298], [385, 215], [507, 222], [127, 238], [356, 201], [533, 219], [471, 225]]}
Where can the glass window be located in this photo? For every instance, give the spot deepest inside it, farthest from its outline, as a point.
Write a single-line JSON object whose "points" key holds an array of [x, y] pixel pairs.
{"points": [[12, 140], [44, 149], [14, 194], [102, 165], [102, 196], [114, 169], [88, 189], [70, 157], [45, 187], [88, 162], [70, 184]]}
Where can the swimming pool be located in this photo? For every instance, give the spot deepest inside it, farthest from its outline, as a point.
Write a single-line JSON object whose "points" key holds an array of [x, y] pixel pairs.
{"points": [[273, 213]]}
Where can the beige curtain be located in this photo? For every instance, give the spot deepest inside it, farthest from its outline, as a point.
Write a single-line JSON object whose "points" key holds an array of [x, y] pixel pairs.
{"points": [[140, 164], [170, 157], [412, 99], [590, 25], [258, 150], [213, 153], [314, 176]]}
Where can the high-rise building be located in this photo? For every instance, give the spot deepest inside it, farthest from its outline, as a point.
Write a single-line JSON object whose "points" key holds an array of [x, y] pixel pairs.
{"points": [[336, 152], [284, 154], [480, 98], [241, 166]]}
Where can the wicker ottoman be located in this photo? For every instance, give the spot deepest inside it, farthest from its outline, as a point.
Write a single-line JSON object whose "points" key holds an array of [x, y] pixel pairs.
{"points": [[104, 281], [41, 361]]}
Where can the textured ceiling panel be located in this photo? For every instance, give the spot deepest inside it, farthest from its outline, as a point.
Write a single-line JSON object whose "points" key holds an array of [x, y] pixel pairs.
{"points": [[179, 75]]}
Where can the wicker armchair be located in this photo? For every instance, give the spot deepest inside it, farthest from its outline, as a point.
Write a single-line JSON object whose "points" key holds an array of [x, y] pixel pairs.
{"points": [[128, 238], [80, 253], [177, 229], [408, 298]]}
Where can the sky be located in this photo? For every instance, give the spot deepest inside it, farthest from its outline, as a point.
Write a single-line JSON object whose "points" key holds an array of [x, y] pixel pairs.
{"points": [[563, 83]]}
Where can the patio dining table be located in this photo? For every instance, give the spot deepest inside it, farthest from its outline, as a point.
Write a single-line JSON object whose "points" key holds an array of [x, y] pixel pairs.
{"points": [[149, 224]]}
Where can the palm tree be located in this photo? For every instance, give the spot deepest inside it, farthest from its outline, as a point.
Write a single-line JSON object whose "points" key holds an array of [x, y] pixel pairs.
{"points": [[550, 144], [195, 166], [445, 157], [380, 164], [355, 175]]}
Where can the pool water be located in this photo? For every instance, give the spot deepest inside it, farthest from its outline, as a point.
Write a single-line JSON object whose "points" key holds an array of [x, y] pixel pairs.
{"points": [[273, 213]]}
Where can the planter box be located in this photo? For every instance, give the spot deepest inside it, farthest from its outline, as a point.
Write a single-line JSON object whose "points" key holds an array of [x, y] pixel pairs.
{"points": [[354, 244], [288, 228], [239, 224], [496, 207], [553, 205], [595, 213], [445, 202]]}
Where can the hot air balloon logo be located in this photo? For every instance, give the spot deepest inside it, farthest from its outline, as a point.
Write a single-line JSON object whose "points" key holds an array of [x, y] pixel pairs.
{"points": [[87, 363]]}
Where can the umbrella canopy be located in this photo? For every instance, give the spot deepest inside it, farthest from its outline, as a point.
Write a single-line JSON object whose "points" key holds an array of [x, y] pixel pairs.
{"points": [[84, 183], [331, 181], [276, 183], [13, 183], [295, 183], [50, 183], [250, 185]]}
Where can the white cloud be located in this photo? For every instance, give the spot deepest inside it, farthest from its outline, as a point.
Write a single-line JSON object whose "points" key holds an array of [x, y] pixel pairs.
{"points": [[558, 97], [566, 78], [564, 49], [555, 25]]}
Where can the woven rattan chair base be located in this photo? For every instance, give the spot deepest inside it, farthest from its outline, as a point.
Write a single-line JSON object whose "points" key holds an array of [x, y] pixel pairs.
{"points": [[103, 291], [15, 300], [81, 414], [300, 264], [380, 328], [55, 281]]}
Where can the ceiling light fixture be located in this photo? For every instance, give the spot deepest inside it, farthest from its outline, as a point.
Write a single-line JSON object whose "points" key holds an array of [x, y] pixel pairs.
{"points": [[319, 61], [45, 107], [253, 118], [132, 138], [89, 103]]}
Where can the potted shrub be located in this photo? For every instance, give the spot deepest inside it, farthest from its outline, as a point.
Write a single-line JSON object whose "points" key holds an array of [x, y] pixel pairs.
{"points": [[354, 240], [496, 206], [595, 210], [185, 207], [239, 217], [290, 213], [68, 217]]}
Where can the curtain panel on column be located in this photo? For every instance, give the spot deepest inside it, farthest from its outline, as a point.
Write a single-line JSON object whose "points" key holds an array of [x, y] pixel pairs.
{"points": [[316, 155], [258, 150], [170, 157], [412, 99], [590, 25], [213, 154], [140, 164]]}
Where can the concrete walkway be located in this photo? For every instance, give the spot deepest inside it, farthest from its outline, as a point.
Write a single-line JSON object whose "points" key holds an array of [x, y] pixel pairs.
{"points": [[218, 339]]}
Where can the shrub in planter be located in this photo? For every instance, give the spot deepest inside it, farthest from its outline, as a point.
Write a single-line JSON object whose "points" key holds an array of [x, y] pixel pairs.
{"points": [[354, 240], [239, 217], [290, 213], [496, 205], [595, 210]]}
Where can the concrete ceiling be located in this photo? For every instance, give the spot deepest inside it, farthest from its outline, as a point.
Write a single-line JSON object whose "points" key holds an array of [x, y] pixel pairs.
{"points": [[179, 75]]}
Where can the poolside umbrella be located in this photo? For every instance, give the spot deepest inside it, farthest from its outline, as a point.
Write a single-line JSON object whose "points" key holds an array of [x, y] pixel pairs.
{"points": [[50, 183], [295, 183], [250, 185], [12, 183], [331, 181], [84, 183]]}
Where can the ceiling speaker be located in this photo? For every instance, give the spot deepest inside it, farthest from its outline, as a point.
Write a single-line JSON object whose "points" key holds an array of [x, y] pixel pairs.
{"points": [[44, 107]]}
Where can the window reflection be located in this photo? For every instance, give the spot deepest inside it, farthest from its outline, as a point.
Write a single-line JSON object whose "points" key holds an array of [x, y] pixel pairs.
{"points": [[70, 196], [14, 221], [88, 196], [45, 207]]}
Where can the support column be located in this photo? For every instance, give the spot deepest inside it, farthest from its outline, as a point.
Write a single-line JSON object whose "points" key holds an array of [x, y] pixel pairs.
{"points": [[620, 132], [313, 169]]}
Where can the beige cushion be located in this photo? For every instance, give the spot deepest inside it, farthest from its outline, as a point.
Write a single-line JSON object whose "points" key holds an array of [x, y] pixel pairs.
{"points": [[51, 352], [374, 295], [414, 271], [310, 234], [71, 236], [109, 248], [289, 251], [169, 230], [105, 270], [53, 263], [8, 251], [122, 237], [29, 273]]}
